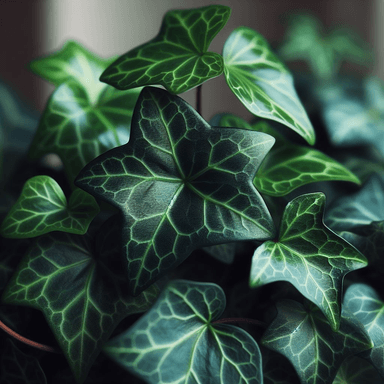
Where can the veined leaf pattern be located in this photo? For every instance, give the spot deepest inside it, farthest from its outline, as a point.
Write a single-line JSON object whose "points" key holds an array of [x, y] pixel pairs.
{"points": [[177, 341], [262, 83], [180, 185], [177, 57], [83, 117], [368, 307], [81, 299], [308, 255], [302, 334], [42, 208]]}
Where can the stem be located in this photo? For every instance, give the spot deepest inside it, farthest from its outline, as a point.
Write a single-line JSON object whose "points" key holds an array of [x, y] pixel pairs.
{"points": [[241, 320], [198, 99], [24, 340]]}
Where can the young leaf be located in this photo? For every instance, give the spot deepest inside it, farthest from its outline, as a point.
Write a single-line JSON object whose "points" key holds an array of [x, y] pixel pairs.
{"points": [[42, 208], [81, 299], [262, 83], [83, 117], [177, 57], [17, 367], [303, 335], [367, 306], [177, 341], [223, 252], [359, 209], [288, 166], [180, 185], [308, 255]]}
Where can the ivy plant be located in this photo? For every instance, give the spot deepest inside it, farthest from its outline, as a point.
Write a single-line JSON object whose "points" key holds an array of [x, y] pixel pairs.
{"points": [[169, 248]]}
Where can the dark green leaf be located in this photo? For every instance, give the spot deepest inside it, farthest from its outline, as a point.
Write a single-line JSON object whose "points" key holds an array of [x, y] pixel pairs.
{"points": [[262, 83], [223, 252], [308, 255], [368, 307], [180, 185], [177, 57], [303, 335], [177, 341], [18, 368], [42, 208], [81, 299], [84, 117]]}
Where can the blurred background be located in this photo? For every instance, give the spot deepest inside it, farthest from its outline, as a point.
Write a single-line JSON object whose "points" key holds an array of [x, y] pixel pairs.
{"points": [[33, 28]]}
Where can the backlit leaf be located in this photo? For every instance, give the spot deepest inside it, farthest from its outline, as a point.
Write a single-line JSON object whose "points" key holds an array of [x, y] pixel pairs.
{"points": [[308, 255], [42, 208], [180, 185], [177, 57], [262, 83], [302, 334], [177, 341]]}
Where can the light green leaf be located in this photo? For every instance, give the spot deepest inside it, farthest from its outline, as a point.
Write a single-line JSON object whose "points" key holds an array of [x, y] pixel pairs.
{"points": [[17, 367], [308, 255], [368, 307], [303, 335], [80, 297], [180, 185], [177, 341], [42, 208], [262, 83], [83, 117], [355, 370], [288, 166], [177, 57]]}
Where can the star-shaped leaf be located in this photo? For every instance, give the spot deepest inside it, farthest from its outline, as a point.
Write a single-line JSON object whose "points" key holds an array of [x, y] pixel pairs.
{"points": [[177, 57], [288, 166], [81, 299], [303, 335], [180, 185], [17, 367], [262, 83], [177, 341], [308, 255], [368, 307], [83, 117], [305, 40], [42, 208]]}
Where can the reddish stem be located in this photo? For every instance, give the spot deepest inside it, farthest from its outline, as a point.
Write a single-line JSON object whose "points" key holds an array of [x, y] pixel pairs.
{"points": [[240, 320], [198, 100], [24, 340]]}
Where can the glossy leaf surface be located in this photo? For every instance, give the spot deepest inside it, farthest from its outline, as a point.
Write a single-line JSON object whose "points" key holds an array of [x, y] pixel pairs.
{"points": [[308, 255], [81, 299], [288, 166], [262, 83], [303, 335], [180, 185], [177, 57], [42, 208], [83, 117], [17, 367], [177, 341], [368, 307]]}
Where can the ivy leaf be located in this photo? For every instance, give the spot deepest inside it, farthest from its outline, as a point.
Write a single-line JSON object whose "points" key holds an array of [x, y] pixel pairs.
{"points": [[303, 335], [223, 252], [308, 255], [359, 209], [367, 306], [355, 370], [177, 57], [42, 208], [83, 117], [169, 343], [17, 367], [288, 166], [262, 83], [180, 185], [81, 299]]}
